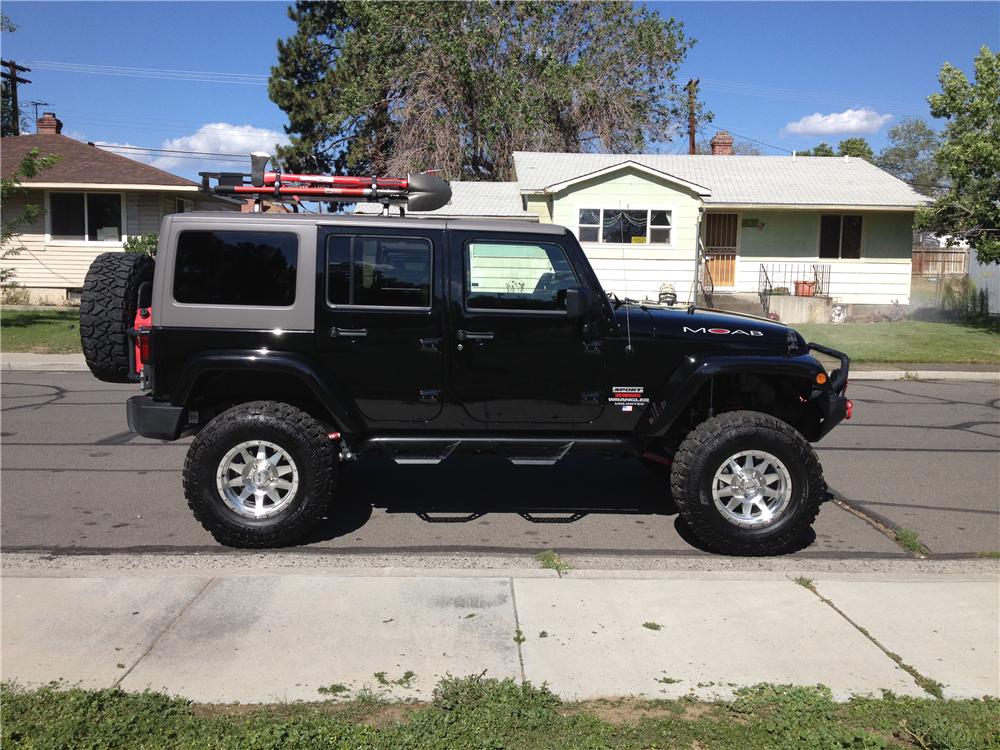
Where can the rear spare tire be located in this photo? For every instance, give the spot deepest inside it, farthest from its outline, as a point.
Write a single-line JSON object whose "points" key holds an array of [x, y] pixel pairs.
{"points": [[107, 312]]}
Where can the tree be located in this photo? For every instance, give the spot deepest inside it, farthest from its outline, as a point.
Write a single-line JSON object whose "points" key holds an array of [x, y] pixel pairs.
{"points": [[969, 208], [911, 155], [823, 149], [396, 87], [32, 163], [857, 147]]}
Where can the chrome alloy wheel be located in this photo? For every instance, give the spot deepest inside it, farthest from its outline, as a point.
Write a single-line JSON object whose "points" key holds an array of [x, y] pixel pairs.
{"points": [[257, 479], [752, 489]]}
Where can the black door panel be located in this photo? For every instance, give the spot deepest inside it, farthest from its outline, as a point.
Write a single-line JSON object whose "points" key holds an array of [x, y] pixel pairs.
{"points": [[379, 314]]}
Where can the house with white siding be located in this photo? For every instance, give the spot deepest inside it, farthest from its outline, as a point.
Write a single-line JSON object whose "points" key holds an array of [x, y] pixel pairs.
{"points": [[92, 201], [836, 227]]}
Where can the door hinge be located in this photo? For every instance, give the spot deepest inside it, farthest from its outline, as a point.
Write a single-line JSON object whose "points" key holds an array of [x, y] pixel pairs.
{"points": [[430, 395], [590, 397], [431, 345]]}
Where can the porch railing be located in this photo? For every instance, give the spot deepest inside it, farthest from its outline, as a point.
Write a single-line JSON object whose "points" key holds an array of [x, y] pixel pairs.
{"points": [[794, 279]]}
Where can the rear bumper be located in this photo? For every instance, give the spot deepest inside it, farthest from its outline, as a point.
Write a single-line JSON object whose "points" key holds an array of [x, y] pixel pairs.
{"points": [[155, 419]]}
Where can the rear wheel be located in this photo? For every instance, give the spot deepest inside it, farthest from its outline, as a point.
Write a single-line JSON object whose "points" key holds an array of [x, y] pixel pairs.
{"points": [[260, 475], [747, 483], [108, 305]]}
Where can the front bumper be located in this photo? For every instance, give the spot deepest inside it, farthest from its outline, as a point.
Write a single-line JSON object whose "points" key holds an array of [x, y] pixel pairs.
{"points": [[834, 405], [155, 419]]}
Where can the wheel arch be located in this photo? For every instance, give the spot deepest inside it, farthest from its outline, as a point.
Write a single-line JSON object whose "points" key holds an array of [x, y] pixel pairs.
{"points": [[221, 377], [698, 374]]}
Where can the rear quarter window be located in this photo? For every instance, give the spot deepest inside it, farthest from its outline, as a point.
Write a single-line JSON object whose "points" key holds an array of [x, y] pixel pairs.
{"points": [[255, 269]]}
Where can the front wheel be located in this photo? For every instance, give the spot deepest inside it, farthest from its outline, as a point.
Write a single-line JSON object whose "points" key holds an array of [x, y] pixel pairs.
{"points": [[260, 474], [747, 483]]}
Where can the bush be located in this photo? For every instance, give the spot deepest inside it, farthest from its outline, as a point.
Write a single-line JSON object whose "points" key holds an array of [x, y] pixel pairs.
{"points": [[144, 244]]}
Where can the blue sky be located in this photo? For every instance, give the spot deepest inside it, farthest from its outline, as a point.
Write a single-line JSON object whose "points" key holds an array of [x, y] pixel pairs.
{"points": [[787, 74]]}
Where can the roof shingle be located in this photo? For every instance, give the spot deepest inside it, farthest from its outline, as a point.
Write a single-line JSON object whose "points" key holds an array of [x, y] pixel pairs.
{"points": [[82, 163], [739, 180]]}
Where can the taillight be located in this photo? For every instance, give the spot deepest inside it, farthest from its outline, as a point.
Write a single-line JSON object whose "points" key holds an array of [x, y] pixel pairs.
{"points": [[144, 341], [850, 409]]}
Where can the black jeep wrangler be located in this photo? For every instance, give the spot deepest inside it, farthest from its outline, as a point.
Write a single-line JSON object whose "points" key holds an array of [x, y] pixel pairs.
{"points": [[289, 343]]}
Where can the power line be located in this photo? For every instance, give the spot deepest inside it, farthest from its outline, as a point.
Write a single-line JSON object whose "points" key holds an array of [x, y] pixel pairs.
{"points": [[200, 76], [777, 92], [171, 150]]}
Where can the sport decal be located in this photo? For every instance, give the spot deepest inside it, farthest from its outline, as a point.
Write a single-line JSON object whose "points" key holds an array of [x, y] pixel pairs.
{"points": [[627, 396]]}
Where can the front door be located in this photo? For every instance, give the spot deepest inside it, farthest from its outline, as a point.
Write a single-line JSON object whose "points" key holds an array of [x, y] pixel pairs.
{"points": [[380, 314], [516, 356], [721, 237]]}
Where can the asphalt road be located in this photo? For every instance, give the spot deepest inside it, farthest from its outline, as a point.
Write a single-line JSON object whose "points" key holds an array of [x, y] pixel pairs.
{"points": [[922, 455]]}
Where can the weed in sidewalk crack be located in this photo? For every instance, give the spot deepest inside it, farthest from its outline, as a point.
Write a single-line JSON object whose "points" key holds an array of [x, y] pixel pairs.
{"points": [[652, 625], [551, 561], [334, 689], [519, 637], [991, 555], [406, 681], [929, 685], [806, 583], [668, 680], [543, 634]]}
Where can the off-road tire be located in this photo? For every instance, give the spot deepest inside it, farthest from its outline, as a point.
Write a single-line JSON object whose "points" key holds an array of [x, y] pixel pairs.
{"points": [[297, 433], [107, 312], [706, 448]]}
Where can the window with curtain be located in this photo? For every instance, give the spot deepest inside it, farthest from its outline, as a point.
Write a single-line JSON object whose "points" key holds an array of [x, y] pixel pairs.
{"points": [[624, 226]]}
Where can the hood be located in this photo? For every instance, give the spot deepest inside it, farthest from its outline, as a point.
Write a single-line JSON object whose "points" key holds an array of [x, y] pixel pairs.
{"points": [[712, 327]]}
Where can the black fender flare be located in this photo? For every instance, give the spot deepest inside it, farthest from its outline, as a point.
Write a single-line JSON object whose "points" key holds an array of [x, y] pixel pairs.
{"points": [[257, 361], [669, 401]]}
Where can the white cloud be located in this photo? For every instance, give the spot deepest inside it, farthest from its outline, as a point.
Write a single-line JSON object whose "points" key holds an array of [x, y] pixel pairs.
{"points": [[219, 138], [862, 120]]}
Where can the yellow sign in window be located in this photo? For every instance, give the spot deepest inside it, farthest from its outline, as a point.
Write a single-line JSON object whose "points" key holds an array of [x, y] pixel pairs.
{"points": [[638, 240]]}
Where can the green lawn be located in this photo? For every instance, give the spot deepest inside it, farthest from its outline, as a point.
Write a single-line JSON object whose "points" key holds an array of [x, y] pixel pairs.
{"points": [[482, 713], [42, 331], [909, 341]]}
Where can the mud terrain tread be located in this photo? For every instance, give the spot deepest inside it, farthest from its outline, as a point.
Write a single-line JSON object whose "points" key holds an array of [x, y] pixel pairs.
{"points": [[107, 312], [321, 467], [687, 471]]}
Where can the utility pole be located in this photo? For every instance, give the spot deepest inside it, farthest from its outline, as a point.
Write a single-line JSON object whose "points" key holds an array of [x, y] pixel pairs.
{"points": [[13, 79], [692, 87]]}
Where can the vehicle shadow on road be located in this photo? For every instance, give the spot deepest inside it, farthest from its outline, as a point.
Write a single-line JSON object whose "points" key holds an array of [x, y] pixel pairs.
{"points": [[464, 488]]}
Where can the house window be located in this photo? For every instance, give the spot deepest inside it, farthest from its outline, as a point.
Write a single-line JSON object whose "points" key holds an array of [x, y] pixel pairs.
{"points": [[236, 268], [184, 206], [840, 236], [629, 226], [378, 272], [85, 217]]}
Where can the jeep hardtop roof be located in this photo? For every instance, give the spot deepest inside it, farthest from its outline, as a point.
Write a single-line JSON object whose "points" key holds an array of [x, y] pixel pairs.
{"points": [[229, 217]]}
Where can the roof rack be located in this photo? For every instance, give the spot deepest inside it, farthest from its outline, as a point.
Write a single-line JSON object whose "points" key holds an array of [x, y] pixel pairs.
{"points": [[416, 192]]}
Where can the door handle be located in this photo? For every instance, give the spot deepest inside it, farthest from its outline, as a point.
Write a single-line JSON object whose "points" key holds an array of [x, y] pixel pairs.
{"points": [[348, 333], [475, 335]]}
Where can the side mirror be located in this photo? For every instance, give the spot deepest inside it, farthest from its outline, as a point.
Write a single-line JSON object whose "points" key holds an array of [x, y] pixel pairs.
{"points": [[579, 301]]}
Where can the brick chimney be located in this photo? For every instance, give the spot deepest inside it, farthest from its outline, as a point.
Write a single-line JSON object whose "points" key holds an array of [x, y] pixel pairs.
{"points": [[722, 144], [49, 125]]}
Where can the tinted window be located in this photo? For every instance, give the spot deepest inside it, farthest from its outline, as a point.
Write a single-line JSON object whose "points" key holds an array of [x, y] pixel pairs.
{"points": [[236, 268], [850, 246], [829, 237], [512, 276], [379, 271], [104, 217]]}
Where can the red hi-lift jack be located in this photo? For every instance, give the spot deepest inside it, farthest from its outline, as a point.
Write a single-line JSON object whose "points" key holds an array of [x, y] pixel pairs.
{"points": [[416, 192]]}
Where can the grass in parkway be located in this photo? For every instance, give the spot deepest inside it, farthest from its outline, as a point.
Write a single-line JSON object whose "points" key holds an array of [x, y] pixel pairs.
{"points": [[483, 713], [910, 341], [41, 331]]}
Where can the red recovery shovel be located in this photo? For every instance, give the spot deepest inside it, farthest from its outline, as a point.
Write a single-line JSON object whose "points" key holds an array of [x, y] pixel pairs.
{"points": [[416, 192]]}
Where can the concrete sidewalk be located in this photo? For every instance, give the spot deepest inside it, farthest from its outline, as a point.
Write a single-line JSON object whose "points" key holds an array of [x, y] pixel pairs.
{"points": [[26, 362], [225, 636]]}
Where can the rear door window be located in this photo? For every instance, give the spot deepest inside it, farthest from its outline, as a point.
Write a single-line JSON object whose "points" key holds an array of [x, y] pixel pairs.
{"points": [[372, 271], [255, 269]]}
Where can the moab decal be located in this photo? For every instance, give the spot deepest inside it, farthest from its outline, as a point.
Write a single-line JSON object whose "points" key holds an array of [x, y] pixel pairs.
{"points": [[723, 331]]}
